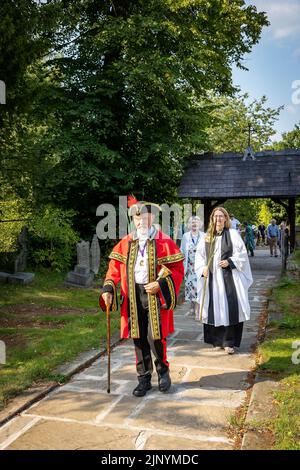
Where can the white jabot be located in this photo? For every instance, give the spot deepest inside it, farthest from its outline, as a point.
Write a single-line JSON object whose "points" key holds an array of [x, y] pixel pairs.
{"points": [[141, 265]]}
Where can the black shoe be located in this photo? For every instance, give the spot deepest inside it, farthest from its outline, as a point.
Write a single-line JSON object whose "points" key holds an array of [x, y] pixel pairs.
{"points": [[164, 381], [143, 386]]}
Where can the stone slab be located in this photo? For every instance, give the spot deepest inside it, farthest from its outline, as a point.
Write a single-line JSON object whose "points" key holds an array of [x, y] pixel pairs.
{"points": [[121, 412], [260, 406], [192, 326], [257, 440], [228, 398], [178, 443], [182, 417], [223, 379], [82, 270], [83, 358], [191, 345], [4, 277], [73, 405], [21, 278], [58, 435], [126, 372], [24, 399], [79, 280], [94, 386], [13, 426], [217, 359]]}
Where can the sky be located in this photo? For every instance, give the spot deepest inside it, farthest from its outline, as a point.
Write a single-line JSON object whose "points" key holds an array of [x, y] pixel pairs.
{"points": [[274, 63]]}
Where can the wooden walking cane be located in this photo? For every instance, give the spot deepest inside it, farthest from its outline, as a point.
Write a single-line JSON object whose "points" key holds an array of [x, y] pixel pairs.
{"points": [[108, 346]]}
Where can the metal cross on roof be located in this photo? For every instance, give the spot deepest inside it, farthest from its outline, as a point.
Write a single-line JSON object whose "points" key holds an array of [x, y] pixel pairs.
{"points": [[249, 151], [249, 129]]}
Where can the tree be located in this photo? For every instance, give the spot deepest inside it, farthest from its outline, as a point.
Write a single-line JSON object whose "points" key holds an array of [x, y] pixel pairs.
{"points": [[232, 117], [26, 30], [129, 91], [245, 210], [115, 94], [229, 133], [289, 140]]}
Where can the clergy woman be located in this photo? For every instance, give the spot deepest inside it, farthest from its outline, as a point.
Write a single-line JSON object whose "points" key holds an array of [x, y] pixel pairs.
{"points": [[222, 260]]}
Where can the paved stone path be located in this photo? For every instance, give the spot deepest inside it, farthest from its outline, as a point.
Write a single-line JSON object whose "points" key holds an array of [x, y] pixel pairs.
{"points": [[207, 388]]}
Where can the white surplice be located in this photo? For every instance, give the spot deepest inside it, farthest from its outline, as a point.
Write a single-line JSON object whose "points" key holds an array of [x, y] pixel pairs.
{"points": [[241, 274]]}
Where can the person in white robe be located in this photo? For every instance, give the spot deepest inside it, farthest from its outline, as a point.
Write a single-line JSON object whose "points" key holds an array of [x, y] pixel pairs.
{"points": [[189, 244], [225, 299]]}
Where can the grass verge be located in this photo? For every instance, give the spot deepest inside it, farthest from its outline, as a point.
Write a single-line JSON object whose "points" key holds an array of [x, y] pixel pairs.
{"points": [[280, 359], [44, 325]]}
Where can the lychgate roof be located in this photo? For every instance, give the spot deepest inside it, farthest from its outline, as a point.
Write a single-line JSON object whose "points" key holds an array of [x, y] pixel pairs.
{"points": [[271, 174]]}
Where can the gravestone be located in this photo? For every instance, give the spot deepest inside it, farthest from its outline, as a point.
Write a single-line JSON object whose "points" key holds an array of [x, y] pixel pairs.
{"points": [[95, 255], [83, 254], [81, 276], [14, 263], [21, 278], [21, 259]]}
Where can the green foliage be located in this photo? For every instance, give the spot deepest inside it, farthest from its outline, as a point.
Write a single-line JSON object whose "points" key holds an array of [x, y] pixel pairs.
{"points": [[276, 353], [277, 349], [287, 425], [53, 238], [232, 116], [256, 211], [245, 210], [265, 214], [121, 98], [13, 208], [289, 140]]}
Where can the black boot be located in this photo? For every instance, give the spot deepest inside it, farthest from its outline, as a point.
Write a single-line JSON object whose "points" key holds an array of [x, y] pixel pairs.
{"points": [[164, 381], [143, 386]]}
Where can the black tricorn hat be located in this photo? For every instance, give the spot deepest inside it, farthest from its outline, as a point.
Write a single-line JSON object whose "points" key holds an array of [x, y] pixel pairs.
{"points": [[136, 207]]}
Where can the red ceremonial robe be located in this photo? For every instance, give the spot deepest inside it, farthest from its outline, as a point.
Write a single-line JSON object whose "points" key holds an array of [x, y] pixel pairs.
{"points": [[162, 251]]}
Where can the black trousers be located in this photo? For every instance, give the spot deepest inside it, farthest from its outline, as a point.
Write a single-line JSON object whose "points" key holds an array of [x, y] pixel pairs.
{"points": [[223, 335], [145, 344]]}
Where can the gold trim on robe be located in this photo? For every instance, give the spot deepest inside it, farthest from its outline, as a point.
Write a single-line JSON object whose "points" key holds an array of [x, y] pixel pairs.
{"points": [[118, 257], [154, 311], [134, 324], [170, 259], [172, 293]]}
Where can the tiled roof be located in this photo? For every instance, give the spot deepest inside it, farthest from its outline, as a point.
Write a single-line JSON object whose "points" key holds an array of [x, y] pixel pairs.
{"points": [[226, 175]]}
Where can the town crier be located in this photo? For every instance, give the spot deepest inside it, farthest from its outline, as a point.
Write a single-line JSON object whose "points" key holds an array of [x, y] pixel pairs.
{"points": [[149, 266]]}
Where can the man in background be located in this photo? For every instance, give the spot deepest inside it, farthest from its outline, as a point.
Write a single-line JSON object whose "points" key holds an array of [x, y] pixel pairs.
{"points": [[273, 236]]}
